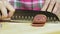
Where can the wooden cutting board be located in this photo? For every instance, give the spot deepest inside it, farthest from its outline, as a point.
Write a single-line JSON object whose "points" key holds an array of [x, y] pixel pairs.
{"points": [[26, 28]]}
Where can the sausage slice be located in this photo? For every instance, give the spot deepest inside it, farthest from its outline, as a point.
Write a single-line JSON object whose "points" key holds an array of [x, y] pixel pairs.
{"points": [[39, 20]]}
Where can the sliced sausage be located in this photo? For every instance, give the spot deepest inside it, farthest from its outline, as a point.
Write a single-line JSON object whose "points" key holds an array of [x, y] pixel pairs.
{"points": [[39, 20]]}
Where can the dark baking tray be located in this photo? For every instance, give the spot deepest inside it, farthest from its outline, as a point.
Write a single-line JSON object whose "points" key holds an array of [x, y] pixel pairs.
{"points": [[24, 13], [31, 13]]}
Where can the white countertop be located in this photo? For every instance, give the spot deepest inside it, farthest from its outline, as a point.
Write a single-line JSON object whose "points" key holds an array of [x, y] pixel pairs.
{"points": [[26, 28]]}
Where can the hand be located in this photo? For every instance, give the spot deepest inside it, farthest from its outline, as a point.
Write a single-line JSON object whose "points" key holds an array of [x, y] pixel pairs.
{"points": [[4, 5], [52, 6]]}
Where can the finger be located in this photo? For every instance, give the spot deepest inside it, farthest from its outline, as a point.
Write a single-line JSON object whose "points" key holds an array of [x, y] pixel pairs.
{"points": [[7, 19], [55, 8], [4, 0], [57, 12], [10, 8], [3, 10], [0, 16], [51, 5], [45, 5]]}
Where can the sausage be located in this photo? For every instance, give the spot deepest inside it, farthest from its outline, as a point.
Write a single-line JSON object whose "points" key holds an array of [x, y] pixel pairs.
{"points": [[39, 20]]}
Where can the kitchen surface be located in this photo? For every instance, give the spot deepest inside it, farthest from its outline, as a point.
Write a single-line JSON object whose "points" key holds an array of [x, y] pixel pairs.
{"points": [[26, 28]]}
